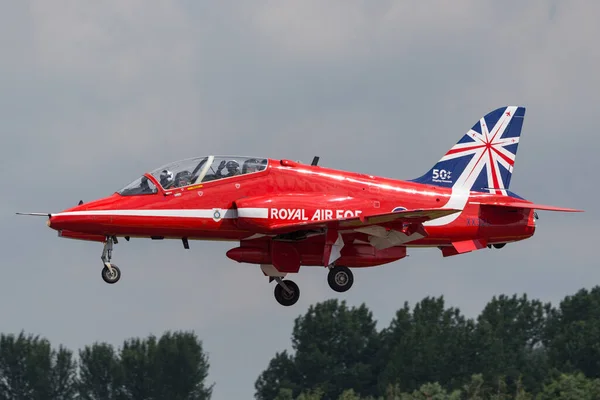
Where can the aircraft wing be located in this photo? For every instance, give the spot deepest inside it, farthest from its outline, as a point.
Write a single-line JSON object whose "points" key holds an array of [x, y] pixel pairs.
{"points": [[406, 216], [384, 230], [376, 226], [527, 205]]}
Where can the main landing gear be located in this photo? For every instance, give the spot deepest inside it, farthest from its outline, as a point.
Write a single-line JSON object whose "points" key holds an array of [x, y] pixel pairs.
{"points": [[340, 278], [110, 273], [287, 293]]}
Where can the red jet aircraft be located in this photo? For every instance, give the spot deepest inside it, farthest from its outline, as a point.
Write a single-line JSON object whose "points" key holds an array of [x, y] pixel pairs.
{"points": [[287, 214]]}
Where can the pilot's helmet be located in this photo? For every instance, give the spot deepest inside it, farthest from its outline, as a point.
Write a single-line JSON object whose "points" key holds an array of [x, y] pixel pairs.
{"points": [[252, 165], [166, 177], [183, 179], [233, 167]]}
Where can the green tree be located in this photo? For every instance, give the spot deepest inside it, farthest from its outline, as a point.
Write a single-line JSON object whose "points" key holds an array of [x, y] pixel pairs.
{"points": [[349, 395], [284, 394], [432, 391], [521, 393], [279, 377], [173, 367], [474, 390], [316, 394], [335, 349], [508, 340], [431, 344], [31, 369], [183, 367], [140, 369], [571, 387], [100, 374], [63, 374], [573, 333]]}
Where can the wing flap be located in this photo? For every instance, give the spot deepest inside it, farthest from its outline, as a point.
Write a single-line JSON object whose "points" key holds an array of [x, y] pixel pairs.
{"points": [[462, 247]]}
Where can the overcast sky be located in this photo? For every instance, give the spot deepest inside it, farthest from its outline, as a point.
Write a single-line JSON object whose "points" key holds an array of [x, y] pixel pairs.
{"points": [[93, 94]]}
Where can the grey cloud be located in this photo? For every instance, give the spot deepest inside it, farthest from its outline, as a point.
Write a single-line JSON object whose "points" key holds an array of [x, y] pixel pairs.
{"points": [[92, 95]]}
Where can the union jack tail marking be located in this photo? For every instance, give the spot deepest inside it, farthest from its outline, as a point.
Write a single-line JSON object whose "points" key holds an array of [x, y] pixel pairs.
{"points": [[484, 158]]}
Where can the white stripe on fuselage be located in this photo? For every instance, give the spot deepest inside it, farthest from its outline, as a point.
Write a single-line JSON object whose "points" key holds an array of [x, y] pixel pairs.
{"points": [[250, 212], [180, 213], [458, 200]]}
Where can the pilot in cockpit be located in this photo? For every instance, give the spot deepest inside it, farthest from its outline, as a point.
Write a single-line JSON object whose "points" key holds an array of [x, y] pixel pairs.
{"points": [[183, 178], [233, 168], [144, 185], [251, 166], [166, 179]]}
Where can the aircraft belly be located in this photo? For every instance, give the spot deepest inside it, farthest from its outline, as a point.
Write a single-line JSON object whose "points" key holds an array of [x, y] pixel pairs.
{"points": [[306, 253]]}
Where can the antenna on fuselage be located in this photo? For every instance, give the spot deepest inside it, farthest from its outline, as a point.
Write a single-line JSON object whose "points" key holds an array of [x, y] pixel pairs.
{"points": [[315, 161]]}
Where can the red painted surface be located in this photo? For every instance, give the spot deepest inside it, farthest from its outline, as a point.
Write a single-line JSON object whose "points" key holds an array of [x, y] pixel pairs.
{"points": [[290, 197]]}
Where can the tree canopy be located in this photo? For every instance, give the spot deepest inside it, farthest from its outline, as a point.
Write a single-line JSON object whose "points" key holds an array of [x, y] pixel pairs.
{"points": [[172, 367], [515, 348]]}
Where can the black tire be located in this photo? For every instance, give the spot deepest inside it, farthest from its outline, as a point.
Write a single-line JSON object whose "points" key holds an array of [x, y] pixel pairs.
{"points": [[283, 297], [340, 278], [111, 278], [499, 245]]}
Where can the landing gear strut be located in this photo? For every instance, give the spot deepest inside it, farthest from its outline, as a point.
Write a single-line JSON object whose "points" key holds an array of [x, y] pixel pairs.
{"points": [[110, 273], [287, 292], [340, 278]]}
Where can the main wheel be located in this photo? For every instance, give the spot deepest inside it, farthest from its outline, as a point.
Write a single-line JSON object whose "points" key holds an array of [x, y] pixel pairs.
{"points": [[111, 277], [283, 297], [340, 278], [499, 245]]}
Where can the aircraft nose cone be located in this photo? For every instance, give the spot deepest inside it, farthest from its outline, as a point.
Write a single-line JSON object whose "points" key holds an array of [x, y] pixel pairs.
{"points": [[71, 222]]}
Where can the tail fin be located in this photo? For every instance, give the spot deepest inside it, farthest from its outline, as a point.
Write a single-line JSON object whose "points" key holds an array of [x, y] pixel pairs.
{"points": [[483, 159]]}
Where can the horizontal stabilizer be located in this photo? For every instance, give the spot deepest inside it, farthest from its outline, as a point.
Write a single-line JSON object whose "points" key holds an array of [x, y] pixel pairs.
{"points": [[524, 204]]}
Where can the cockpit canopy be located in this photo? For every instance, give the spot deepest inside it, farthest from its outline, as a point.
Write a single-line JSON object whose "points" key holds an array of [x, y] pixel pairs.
{"points": [[193, 171]]}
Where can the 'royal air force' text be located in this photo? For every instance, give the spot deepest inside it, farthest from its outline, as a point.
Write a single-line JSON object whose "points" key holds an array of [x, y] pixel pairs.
{"points": [[300, 214]]}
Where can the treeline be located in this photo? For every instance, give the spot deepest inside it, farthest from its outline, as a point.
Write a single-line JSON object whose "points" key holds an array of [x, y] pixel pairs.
{"points": [[564, 387], [517, 348], [172, 367]]}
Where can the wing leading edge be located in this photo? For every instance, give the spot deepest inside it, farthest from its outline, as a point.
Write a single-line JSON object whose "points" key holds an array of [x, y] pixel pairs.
{"points": [[417, 216]]}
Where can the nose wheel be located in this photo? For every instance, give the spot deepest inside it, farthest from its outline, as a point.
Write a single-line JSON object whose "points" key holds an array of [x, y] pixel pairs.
{"points": [[340, 278], [110, 273]]}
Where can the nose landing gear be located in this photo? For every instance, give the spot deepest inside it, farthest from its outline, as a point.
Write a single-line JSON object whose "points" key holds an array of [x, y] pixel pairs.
{"points": [[110, 273]]}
